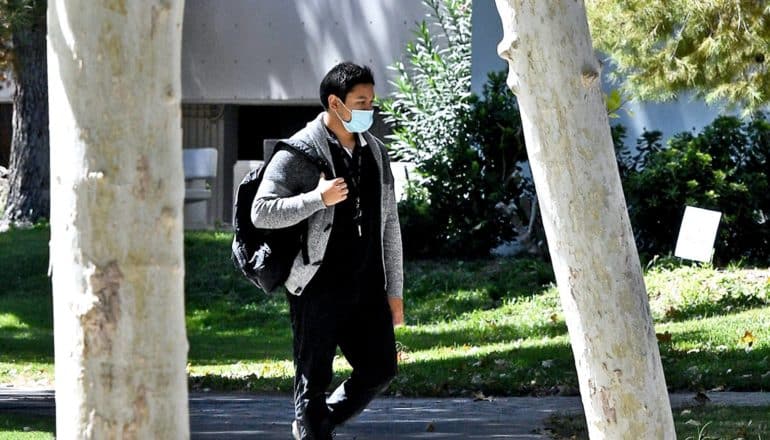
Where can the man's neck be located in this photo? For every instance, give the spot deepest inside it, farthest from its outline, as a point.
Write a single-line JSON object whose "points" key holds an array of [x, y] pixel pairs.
{"points": [[346, 138]]}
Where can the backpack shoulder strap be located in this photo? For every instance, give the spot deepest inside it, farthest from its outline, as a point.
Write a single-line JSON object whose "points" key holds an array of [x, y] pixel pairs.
{"points": [[306, 151], [309, 153]]}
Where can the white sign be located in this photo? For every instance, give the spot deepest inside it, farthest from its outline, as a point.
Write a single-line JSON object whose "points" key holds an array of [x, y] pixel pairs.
{"points": [[697, 234]]}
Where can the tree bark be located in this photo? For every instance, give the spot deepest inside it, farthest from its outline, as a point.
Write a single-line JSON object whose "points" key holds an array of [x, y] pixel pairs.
{"points": [[116, 219], [28, 197], [556, 75]]}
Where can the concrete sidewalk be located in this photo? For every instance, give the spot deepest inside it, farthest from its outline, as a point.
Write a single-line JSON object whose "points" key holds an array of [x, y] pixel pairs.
{"points": [[249, 416]]}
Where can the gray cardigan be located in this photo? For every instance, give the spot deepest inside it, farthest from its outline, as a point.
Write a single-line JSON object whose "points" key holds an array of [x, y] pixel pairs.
{"points": [[288, 195]]}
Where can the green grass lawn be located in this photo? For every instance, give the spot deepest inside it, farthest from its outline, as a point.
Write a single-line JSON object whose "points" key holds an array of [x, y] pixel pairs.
{"points": [[711, 422], [26, 427], [491, 326]]}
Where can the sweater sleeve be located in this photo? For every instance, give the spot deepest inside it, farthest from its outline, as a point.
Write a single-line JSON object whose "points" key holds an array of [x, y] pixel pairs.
{"points": [[392, 246], [280, 202]]}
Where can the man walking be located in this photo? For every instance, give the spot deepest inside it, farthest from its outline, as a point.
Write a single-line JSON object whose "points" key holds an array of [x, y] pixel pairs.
{"points": [[346, 291]]}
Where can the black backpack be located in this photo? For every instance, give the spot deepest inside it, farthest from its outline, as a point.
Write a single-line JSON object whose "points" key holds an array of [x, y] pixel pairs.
{"points": [[265, 256]]}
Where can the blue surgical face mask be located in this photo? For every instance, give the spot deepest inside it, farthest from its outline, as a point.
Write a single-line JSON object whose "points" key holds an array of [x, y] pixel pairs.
{"points": [[360, 120]]}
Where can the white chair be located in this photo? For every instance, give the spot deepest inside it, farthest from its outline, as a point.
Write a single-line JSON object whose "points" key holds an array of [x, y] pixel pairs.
{"points": [[200, 170]]}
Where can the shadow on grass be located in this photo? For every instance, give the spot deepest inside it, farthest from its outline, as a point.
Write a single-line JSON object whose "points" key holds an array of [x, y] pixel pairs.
{"points": [[416, 339], [278, 385], [25, 289], [15, 424], [219, 349], [25, 297], [26, 345], [706, 363], [704, 422], [733, 303], [445, 290], [517, 371]]}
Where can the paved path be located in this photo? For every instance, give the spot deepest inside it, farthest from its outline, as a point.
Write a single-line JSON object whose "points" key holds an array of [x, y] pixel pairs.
{"points": [[249, 416]]}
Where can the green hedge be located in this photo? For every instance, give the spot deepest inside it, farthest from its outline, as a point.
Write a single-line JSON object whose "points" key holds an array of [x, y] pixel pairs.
{"points": [[724, 168]]}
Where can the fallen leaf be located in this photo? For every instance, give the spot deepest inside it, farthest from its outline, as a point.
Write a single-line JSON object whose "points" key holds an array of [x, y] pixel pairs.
{"points": [[554, 318], [748, 338]]}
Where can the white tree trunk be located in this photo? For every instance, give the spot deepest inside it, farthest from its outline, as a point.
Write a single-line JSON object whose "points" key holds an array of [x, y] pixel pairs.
{"points": [[555, 74], [116, 218]]}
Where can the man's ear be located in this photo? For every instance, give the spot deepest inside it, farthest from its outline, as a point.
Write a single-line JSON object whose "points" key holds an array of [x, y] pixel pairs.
{"points": [[333, 102]]}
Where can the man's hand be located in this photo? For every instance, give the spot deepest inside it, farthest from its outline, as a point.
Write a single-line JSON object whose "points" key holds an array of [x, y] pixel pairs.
{"points": [[397, 310], [332, 191]]}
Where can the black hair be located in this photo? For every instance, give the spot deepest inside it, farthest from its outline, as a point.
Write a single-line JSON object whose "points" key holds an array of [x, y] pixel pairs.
{"points": [[341, 79]]}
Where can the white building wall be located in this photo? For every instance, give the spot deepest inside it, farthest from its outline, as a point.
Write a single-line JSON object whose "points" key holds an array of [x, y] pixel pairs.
{"points": [[277, 51]]}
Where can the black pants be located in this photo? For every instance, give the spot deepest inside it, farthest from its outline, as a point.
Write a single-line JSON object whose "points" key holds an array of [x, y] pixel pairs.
{"points": [[360, 323]]}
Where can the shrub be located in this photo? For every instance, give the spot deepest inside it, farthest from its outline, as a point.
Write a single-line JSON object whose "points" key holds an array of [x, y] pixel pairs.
{"points": [[427, 113], [417, 229], [723, 168], [471, 193], [433, 89], [466, 148], [495, 132]]}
